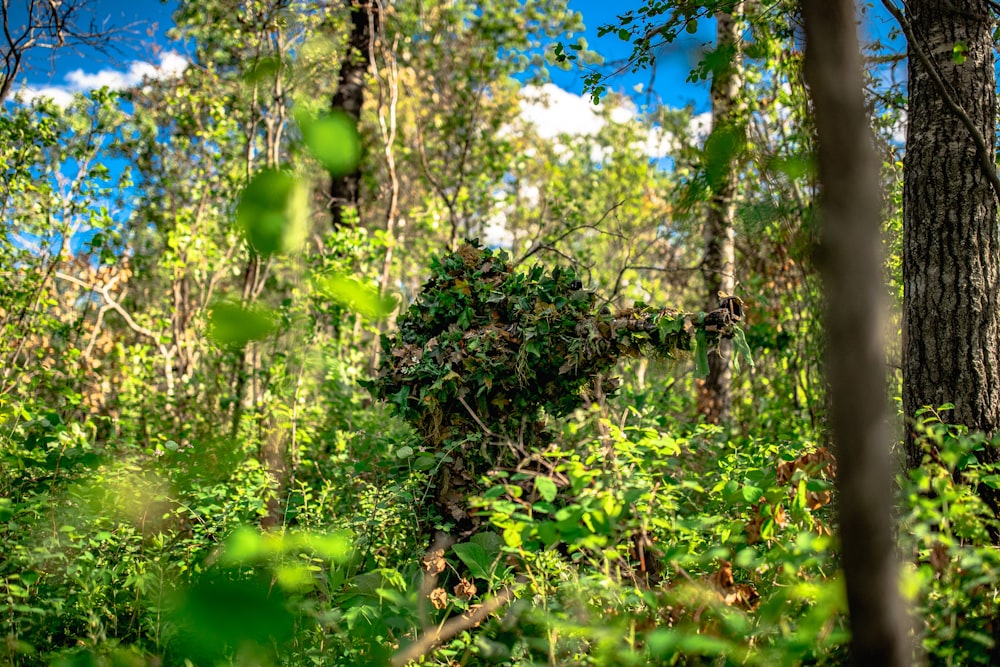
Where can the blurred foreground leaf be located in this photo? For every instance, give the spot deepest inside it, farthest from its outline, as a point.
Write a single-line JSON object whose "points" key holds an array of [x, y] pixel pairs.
{"points": [[230, 324], [333, 140], [273, 210], [356, 295]]}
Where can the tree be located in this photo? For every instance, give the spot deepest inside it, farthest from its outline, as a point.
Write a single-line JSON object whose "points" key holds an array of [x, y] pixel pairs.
{"points": [[45, 25], [951, 253], [719, 264], [349, 97], [851, 211]]}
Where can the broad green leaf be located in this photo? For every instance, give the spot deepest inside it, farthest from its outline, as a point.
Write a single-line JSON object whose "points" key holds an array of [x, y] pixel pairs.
{"points": [[273, 211], [475, 558], [355, 295], [263, 69], [230, 324], [225, 610], [752, 493], [333, 140], [546, 488]]}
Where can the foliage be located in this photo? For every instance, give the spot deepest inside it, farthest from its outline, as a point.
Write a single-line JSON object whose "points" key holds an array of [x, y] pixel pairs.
{"points": [[191, 473], [505, 345]]}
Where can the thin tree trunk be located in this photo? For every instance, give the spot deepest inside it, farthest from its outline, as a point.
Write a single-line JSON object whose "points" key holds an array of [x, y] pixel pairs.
{"points": [[349, 98], [851, 227], [719, 267], [951, 321]]}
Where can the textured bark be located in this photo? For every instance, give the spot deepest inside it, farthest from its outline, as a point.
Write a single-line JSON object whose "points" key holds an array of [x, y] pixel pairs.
{"points": [[851, 225], [719, 265], [951, 321], [350, 97]]}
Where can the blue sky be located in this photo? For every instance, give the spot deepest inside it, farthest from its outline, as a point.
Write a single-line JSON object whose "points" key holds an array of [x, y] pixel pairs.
{"points": [[147, 21]]}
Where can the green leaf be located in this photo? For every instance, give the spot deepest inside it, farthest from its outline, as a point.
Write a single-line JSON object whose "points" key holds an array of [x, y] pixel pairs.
{"points": [[960, 52], [742, 348], [356, 295], [701, 354], [752, 493], [245, 546], [226, 610], [475, 558], [333, 140], [273, 211], [265, 68], [546, 488], [230, 324]]}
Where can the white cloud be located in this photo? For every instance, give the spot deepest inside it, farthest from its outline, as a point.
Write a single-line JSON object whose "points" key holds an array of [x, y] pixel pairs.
{"points": [[58, 94], [555, 112], [171, 64]]}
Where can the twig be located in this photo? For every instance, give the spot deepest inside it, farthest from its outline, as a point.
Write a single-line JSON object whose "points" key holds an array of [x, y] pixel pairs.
{"points": [[430, 639], [982, 152], [476, 417]]}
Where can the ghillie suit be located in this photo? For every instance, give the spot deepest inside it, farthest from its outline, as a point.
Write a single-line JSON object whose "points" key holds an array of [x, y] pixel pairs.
{"points": [[485, 352]]}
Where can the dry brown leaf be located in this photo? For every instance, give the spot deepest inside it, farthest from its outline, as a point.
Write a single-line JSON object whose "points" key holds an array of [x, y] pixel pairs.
{"points": [[434, 562], [465, 589], [439, 598]]}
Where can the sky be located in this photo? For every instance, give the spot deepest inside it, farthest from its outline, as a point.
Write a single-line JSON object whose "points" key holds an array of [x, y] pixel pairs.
{"points": [[144, 46], [144, 50]]}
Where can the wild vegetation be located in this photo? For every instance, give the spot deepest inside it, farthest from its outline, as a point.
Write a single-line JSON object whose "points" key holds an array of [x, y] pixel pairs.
{"points": [[322, 352]]}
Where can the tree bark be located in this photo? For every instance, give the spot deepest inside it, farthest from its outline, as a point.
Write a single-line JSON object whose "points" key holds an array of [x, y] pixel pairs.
{"points": [[349, 97], [951, 321], [719, 266], [851, 228]]}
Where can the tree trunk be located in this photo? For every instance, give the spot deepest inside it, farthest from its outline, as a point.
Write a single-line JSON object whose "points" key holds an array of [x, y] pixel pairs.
{"points": [[851, 228], [719, 264], [951, 322], [349, 98]]}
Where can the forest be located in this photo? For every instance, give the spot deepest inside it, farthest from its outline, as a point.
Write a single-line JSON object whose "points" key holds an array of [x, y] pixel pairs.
{"points": [[321, 349]]}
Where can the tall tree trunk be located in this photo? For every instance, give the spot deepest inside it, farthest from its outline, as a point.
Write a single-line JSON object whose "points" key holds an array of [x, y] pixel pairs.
{"points": [[719, 265], [350, 96], [951, 321], [851, 228]]}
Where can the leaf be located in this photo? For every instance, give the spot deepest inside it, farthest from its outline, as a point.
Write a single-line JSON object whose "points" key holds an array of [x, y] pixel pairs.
{"points": [[264, 68], [752, 493], [701, 354], [546, 488], [273, 211], [960, 52], [475, 558], [355, 295], [333, 140], [230, 324], [742, 348]]}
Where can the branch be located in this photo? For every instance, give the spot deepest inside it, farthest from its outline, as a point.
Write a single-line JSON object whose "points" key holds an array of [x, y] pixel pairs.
{"points": [[454, 625], [476, 417], [103, 291], [982, 151]]}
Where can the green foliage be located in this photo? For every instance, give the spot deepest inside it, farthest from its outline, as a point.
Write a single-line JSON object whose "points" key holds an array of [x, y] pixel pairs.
{"points": [[504, 345], [953, 563], [190, 473]]}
